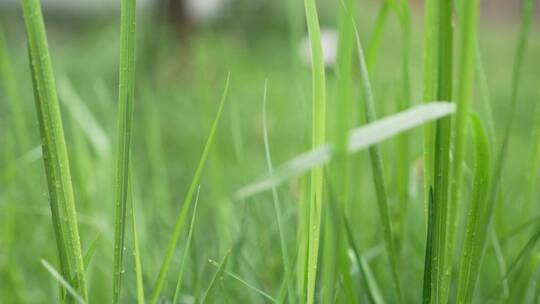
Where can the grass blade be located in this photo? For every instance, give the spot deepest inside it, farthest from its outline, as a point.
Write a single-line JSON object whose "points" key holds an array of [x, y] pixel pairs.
{"points": [[123, 144], [378, 173], [136, 248], [217, 275], [467, 26], [245, 283], [318, 139], [186, 249], [373, 291], [76, 296], [476, 219], [277, 204], [359, 139], [187, 201], [55, 158], [91, 251], [438, 86]]}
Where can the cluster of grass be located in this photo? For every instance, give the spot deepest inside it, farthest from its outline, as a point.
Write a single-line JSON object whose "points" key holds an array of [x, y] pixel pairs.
{"points": [[373, 212]]}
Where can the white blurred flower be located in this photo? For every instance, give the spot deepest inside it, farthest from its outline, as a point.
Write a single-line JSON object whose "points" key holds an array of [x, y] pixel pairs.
{"points": [[329, 39]]}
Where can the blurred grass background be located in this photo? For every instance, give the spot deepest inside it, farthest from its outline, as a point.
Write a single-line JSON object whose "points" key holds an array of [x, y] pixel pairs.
{"points": [[180, 73]]}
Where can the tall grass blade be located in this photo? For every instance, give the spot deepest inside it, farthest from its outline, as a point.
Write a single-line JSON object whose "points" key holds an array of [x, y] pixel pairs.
{"points": [[187, 201], [476, 218], [126, 94], [426, 291], [437, 86], [467, 28], [186, 249], [378, 172], [277, 204], [55, 159], [336, 264], [318, 139], [359, 139]]}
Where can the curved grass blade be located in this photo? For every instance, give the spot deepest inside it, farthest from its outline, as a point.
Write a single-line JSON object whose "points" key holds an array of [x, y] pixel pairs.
{"points": [[318, 139], [186, 249], [359, 139], [277, 203], [123, 144], [55, 155], [187, 201], [378, 172], [215, 277], [76, 296], [476, 218]]}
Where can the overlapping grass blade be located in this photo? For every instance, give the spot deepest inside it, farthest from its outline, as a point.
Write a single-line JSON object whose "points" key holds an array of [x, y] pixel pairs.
{"points": [[55, 159], [186, 249], [187, 201], [336, 263], [126, 94], [247, 284], [438, 86], [426, 288], [91, 251], [476, 218], [359, 139], [498, 169], [318, 139], [378, 172], [136, 248], [215, 277], [467, 29], [76, 296], [277, 204], [371, 286]]}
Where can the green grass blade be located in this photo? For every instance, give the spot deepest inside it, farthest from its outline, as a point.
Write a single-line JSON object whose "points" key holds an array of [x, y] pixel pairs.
{"points": [[375, 40], [472, 248], [247, 284], [215, 277], [55, 158], [438, 86], [359, 139], [336, 264], [371, 286], [378, 173], [277, 204], [426, 291], [91, 251], [467, 28], [136, 247], [186, 249], [187, 201], [123, 144], [318, 139], [76, 296]]}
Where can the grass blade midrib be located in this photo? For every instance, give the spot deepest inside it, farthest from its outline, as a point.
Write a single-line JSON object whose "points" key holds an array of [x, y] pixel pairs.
{"points": [[123, 149]]}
